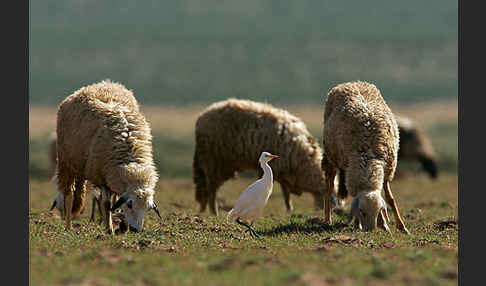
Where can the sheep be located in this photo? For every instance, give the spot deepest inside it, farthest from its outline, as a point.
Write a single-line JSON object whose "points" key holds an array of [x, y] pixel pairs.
{"points": [[414, 145], [231, 134], [361, 140], [103, 138]]}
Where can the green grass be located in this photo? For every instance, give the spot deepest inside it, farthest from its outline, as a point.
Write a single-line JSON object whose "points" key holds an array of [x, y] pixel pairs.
{"points": [[188, 248]]}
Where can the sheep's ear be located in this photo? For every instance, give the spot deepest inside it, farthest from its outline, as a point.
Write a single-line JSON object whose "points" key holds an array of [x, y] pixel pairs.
{"points": [[54, 203], [120, 202], [154, 207]]}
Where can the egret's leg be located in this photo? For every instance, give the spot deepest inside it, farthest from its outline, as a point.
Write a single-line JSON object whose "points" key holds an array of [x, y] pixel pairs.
{"points": [[252, 231]]}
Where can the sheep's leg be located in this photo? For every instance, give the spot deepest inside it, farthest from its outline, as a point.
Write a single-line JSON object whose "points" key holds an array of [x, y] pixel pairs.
{"points": [[330, 174], [342, 192], [357, 224], [202, 206], [393, 204], [65, 185], [100, 211], [318, 201], [201, 195], [211, 189], [286, 195], [68, 207], [106, 209], [93, 209], [114, 198], [213, 204]]}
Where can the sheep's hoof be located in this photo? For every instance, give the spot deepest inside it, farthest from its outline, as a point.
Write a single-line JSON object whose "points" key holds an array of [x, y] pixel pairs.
{"points": [[327, 220], [404, 230]]}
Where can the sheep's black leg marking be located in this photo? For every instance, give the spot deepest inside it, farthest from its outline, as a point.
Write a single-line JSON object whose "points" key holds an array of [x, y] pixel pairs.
{"points": [[249, 228], [93, 209]]}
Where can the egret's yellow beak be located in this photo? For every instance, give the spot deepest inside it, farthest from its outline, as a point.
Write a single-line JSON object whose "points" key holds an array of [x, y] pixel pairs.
{"points": [[274, 156]]}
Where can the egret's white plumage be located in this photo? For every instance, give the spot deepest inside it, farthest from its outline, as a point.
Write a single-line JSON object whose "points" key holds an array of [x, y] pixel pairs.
{"points": [[251, 202]]}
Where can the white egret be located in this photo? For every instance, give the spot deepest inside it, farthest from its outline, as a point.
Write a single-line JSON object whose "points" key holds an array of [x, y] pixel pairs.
{"points": [[251, 202]]}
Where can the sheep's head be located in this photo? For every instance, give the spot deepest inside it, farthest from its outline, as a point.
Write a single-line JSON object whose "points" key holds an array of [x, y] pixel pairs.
{"points": [[369, 209], [135, 205]]}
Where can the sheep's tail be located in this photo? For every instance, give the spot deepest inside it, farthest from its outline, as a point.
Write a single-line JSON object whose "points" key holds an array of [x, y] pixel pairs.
{"points": [[79, 201], [199, 179]]}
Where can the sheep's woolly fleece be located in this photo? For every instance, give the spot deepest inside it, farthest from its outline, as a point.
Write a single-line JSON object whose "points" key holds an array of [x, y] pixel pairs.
{"points": [[360, 133]]}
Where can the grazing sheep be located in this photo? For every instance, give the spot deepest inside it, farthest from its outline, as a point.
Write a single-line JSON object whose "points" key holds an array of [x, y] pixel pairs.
{"points": [[229, 136], [414, 145], [103, 137], [360, 140]]}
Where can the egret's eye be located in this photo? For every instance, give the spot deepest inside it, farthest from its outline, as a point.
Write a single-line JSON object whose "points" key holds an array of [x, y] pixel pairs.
{"points": [[129, 204]]}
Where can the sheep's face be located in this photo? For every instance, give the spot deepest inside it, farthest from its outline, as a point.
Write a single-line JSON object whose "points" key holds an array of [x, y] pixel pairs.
{"points": [[369, 208], [134, 208]]}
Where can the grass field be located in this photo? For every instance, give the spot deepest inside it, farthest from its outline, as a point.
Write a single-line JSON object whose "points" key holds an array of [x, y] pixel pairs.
{"points": [[188, 248]]}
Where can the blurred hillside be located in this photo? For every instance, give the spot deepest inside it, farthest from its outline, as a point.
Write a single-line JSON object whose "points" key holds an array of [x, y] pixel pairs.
{"points": [[269, 50]]}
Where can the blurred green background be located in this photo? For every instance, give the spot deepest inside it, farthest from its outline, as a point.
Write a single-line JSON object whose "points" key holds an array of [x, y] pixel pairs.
{"points": [[186, 51]]}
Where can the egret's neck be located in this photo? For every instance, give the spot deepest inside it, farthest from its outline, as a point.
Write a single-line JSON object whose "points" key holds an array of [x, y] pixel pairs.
{"points": [[267, 172]]}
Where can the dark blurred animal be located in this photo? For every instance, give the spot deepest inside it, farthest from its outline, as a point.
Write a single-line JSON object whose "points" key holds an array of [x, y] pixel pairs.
{"points": [[415, 146]]}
